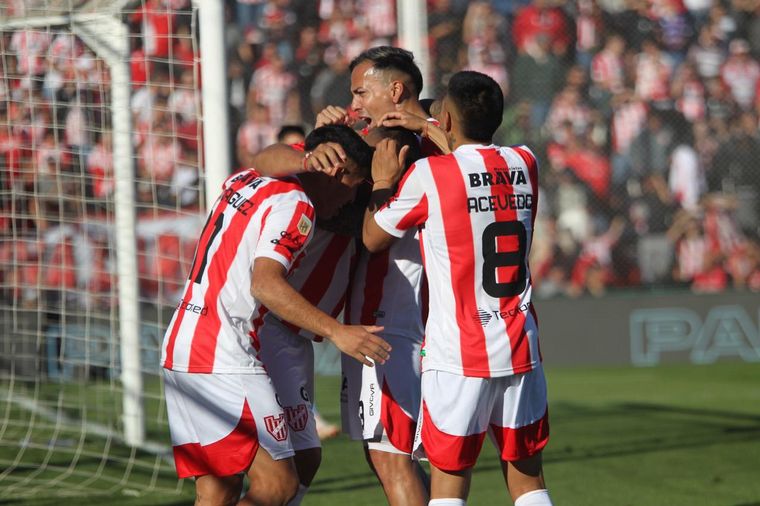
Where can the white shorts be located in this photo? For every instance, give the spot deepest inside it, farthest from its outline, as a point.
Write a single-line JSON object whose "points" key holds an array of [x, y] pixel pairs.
{"points": [[289, 361], [218, 421], [458, 410], [380, 404]]}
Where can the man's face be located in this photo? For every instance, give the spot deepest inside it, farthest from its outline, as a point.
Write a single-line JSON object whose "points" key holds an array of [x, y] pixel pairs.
{"points": [[330, 193], [371, 90]]}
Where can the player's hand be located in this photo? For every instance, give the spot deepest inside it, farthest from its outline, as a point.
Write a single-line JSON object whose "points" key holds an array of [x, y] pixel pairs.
{"points": [[328, 157], [361, 343], [332, 115], [404, 119], [388, 163]]}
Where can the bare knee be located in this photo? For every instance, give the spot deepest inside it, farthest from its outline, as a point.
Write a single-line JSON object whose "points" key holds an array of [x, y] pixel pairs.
{"points": [[217, 491]]}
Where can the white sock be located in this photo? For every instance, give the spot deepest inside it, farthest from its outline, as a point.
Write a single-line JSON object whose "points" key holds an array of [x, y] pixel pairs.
{"points": [[302, 489], [449, 501], [538, 497]]}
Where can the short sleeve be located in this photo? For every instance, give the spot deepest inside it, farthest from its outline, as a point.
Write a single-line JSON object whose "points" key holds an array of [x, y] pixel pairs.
{"points": [[286, 229], [407, 208]]}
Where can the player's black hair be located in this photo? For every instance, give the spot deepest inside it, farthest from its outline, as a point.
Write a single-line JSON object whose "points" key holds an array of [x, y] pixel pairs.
{"points": [[354, 146], [394, 58], [403, 137], [479, 101], [290, 129]]}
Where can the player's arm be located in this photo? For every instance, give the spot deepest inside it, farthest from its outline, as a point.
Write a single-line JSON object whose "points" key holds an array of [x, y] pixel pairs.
{"points": [[418, 125], [280, 160], [387, 167], [270, 287]]}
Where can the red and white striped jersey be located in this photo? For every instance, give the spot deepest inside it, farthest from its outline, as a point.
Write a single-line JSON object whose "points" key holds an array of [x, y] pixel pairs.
{"points": [[213, 329], [321, 274], [476, 208], [387, 289]]}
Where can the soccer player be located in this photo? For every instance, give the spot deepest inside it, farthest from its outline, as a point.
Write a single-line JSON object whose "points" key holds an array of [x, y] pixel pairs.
{"points": [[223, 414], [481, 363], [379, 405]]}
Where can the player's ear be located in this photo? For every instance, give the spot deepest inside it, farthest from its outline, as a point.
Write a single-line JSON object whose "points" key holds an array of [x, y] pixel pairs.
{"points": [[397, 91]]}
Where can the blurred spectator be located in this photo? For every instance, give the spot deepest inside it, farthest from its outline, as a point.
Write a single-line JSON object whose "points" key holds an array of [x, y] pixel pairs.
{"points": [[541, 74], [254, 134], [271, 86], [741, 73], [332, 85], [542, 20]]}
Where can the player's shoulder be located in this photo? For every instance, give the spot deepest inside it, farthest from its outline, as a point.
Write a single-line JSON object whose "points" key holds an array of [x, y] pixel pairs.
{"points": [[523, 152], [286, 185]]}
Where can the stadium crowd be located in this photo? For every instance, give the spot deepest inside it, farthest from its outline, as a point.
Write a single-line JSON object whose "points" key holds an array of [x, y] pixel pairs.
{"points": [[644, 115]]}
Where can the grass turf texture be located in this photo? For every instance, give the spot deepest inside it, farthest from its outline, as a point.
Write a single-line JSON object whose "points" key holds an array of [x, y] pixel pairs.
{"points": [[670, 435]]}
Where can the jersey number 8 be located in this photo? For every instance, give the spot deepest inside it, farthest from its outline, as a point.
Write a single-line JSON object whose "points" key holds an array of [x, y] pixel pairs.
{"points": [[492, 259]]}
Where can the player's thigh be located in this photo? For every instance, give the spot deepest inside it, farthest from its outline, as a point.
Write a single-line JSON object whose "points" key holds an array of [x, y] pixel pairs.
{"points": [[453, 419], [390, 398], [289, 359], [519, 424]]}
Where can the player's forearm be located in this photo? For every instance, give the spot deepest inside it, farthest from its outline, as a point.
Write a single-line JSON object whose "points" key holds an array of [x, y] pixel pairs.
{"points": [[278, 160], [283, 300], [375, 238]]}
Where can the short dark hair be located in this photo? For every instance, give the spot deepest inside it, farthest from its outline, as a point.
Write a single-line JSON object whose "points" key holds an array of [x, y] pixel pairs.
{"points": [[479, 101], [354, 146], [290, 129], [403, 137], [394, 58]]}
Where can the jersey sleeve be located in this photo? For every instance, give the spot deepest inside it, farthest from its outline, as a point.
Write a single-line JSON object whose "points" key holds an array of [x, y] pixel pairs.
{"points": [[408, 208], [286, 229]]}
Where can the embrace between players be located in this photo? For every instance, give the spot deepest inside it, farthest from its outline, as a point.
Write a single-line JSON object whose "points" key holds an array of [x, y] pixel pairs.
{"points": [[440, 340]]}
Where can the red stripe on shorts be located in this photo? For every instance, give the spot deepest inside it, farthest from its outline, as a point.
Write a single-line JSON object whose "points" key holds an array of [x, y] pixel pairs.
{"points": [[230, 455], [448, 452], [522, 442], [398, 425]]}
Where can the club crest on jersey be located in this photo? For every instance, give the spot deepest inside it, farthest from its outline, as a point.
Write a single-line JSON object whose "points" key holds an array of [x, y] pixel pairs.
{"points": [[297, 417], [304, 225], [277, 426]]}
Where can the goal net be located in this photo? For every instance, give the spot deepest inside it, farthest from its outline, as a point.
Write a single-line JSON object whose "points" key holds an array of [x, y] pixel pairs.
{"points": [[101, 198]]}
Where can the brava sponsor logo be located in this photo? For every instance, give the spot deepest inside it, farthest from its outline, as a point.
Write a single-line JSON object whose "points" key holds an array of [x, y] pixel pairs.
{"points": [[498, 177]]}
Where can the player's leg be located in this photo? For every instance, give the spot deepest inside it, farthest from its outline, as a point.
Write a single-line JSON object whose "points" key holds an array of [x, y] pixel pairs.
{"points": [[390, 398], [520, 430], [399, 477], [273, 482], [213, 490], [289, 358], [214, 420], [452, 426]]}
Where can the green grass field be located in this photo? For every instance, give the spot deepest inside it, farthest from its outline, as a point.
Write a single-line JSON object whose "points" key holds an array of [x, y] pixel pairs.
{"points": [[670, 435]]}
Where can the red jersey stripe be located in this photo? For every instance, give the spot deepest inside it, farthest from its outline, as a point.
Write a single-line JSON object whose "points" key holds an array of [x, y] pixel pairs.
{"points": [[472, 338], [518, 338]]}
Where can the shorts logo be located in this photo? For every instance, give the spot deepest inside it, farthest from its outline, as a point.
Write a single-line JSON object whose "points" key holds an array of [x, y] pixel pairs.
{"points": [[277, 427], [297, 417]]}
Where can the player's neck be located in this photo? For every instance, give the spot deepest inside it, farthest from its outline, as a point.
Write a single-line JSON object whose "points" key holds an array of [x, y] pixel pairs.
{"points": [[456, 139], [413, 107]]}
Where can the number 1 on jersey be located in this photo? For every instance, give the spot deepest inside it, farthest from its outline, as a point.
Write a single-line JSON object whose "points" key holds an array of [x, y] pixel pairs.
{"points": [[493, 259], [218, 223]]}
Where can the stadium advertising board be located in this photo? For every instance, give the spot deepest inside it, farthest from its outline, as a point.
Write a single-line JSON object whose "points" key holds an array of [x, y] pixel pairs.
{"points": [[650, 330]]}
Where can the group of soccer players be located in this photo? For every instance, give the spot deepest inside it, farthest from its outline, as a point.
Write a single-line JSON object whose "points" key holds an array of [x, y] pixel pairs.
{"points": [[417, 231]]}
